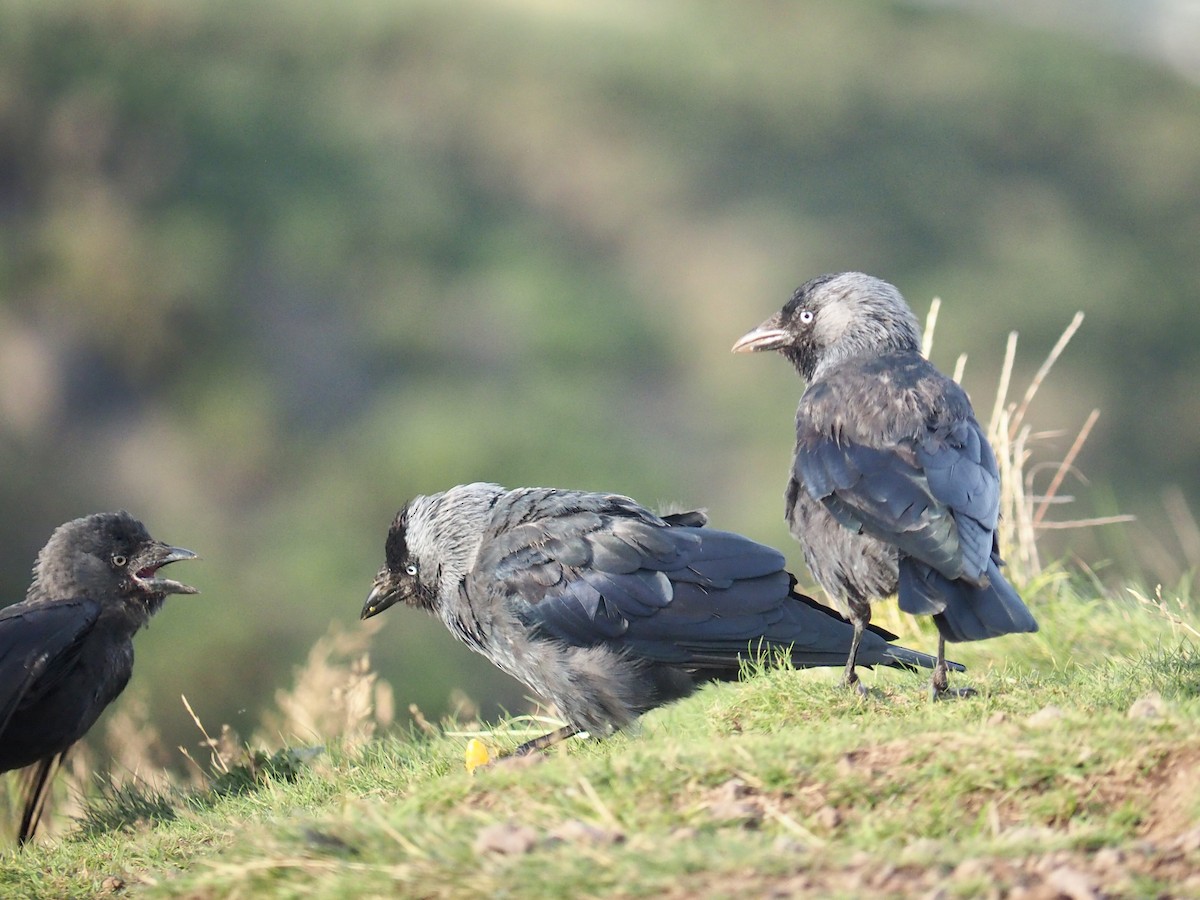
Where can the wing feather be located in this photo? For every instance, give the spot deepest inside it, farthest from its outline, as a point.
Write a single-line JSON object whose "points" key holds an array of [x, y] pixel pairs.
{"points": [[39, 641]]}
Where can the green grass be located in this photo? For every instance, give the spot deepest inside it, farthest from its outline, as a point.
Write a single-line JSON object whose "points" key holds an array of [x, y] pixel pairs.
{"points": [[782, 782]]}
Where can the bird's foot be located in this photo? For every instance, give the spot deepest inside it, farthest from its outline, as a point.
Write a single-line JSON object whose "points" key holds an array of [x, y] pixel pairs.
{"points": [[853, 682], [546, 740], [946, 693]]}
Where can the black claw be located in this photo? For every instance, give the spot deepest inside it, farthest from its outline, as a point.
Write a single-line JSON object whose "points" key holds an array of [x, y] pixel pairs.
{"points": [[852, 681]]}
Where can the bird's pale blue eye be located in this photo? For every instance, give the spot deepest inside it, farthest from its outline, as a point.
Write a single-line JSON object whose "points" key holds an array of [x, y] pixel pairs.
{"points": [[410, 569], [806, 316], [119, 561]]}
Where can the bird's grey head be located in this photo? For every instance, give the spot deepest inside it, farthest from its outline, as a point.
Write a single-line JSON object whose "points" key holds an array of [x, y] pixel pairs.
{"points": [[431, 546], [105, 556], [833, 318]]}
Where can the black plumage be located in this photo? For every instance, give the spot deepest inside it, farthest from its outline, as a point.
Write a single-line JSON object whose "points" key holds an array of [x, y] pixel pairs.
{"points": [[894, 487], [601, 606], [66, 650]]}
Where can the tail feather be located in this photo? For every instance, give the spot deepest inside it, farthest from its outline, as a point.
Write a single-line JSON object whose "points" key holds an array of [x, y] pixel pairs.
{"points": [[902, 658], [827, 636], [37, 791], [963, 611]]}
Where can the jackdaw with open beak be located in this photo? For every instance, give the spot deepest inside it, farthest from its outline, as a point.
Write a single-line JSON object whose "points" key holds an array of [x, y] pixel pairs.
{"points": [[66, 650], [894, 487], [599, 605]]}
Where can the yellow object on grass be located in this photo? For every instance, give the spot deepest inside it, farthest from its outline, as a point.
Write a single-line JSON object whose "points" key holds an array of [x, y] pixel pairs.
{"points": [[476, 754]]}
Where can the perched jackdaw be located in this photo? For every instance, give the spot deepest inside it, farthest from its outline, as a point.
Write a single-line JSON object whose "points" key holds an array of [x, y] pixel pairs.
{"points": [[66, 650], [894, 486], [601, 606]]}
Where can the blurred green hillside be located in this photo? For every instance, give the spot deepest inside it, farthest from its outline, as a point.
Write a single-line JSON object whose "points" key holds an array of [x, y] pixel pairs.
{"points": [[267, 270]]}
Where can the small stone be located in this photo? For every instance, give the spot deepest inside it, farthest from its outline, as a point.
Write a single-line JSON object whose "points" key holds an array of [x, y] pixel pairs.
{"points": [[1045, 717], [882, 875], [1189, 841], [112, 884], [788, 846], [828, 817], [507, 838], [734, 789], [1026, 834], [1149, 706], [747, 812], [574, 831], [971, 869], [922, 850], [736, 801], [1144, 847], [861, 859], [1073, 884], [323, 840]]}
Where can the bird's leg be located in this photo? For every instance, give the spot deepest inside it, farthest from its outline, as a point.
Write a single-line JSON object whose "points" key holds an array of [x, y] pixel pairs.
{"points": [[859, 619], [939, 685], [940, 680], [546, 740], [37, 790]]}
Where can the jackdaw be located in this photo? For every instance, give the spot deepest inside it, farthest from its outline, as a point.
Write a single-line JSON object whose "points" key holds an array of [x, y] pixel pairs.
{"points": [[66, 650], [894, 487], [601, 606]]}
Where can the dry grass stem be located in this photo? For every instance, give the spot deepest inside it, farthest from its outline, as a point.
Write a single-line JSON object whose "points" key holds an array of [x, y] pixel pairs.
{"points": [[1159, 605], [1019, 504], [1183, 523], [1067, 462], [930, 324], [1042, 372], [601, 808], [399, 839], [775, 813], [1086, 523], [1010, 355], [960, 366], [511, 728], [214, 746], [418, 717]]}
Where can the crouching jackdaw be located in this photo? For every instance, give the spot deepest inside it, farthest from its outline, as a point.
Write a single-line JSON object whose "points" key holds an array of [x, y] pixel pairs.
{"points": [[601, 606], [66, 650], [894, 487]]}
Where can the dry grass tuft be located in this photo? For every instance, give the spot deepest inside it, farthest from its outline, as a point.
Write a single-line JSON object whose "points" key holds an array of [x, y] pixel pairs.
{"points": [[1024, 502], [135, 746], [225, 751], [1159, 605], [335, 695]]}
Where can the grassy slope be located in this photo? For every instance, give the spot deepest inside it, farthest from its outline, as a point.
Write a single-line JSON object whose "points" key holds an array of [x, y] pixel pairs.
{"points": [[1044, 782]]}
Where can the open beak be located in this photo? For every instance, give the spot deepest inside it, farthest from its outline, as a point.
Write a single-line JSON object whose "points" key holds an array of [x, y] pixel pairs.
{"points": [[154, 557], [767, 336], [383, 594]]}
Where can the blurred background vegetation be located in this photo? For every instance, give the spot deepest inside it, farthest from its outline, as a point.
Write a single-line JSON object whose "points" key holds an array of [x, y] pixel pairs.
{"points": [[267, 270]]}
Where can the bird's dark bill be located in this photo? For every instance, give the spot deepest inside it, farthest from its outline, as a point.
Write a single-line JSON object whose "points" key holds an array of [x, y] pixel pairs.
{"points": [[766, 336], [158, 555], [383, 594]]}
